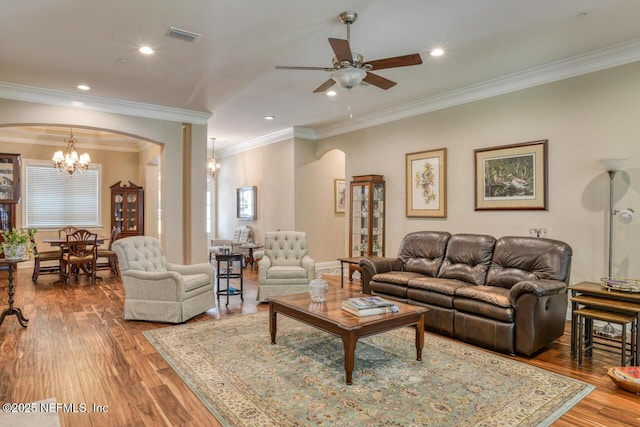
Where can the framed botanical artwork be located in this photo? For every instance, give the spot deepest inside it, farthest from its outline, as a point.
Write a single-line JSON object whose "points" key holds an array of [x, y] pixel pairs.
{"points": [[246, 199], [427, 184], [339, 196], [512, 177]]}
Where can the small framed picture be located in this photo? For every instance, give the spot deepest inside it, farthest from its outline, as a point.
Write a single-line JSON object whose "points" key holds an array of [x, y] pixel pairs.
{"points": [[339, 195], [427, 184], [511, 177]]}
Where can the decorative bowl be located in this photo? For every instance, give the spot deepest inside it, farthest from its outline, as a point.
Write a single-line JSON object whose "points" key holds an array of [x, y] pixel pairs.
{"points": [[623, 382]]}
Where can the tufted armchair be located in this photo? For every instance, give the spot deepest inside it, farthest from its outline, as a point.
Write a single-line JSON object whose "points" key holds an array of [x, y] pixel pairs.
{"points": [[159, 291], [240, 236], [286, 267]]}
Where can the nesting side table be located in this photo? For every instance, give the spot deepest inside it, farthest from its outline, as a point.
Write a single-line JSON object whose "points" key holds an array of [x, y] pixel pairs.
{"points": [[226, 270]]}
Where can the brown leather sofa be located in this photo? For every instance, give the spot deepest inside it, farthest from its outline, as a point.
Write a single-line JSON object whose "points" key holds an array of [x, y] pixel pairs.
{"points": [[507, 294]]}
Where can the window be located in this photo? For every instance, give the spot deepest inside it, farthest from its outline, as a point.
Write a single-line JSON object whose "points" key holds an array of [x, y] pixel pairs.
{"points": [[55, 199]]}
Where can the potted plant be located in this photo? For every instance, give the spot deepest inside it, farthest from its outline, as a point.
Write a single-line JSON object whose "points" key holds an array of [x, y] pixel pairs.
{"points": [[17, 243]]}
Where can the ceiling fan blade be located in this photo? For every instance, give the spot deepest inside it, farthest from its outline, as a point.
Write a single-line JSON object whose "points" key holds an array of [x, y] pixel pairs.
{"points": [[284, 67], [324, 86], [378, 81], [341, 49], [396, 61]]}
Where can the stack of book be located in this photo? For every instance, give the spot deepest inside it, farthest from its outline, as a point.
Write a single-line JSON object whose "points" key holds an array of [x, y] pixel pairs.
{"points": [[367, 306]]}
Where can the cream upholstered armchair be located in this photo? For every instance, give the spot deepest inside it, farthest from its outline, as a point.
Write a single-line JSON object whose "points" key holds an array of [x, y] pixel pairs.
{"points": [[159, 291], [241, 235], [286, 267]]}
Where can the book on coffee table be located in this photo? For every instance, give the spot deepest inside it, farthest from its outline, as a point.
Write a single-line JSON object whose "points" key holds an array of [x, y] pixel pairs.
{"points": [[369, 302], [367, 306]]}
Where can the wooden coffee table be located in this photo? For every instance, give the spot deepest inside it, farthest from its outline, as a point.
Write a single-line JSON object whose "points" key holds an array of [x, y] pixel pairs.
{"points": [[330, 317]]}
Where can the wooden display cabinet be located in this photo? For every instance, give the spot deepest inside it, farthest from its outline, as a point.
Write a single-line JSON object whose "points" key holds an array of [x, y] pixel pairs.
{"points": [[127, 209], [366, 218]]}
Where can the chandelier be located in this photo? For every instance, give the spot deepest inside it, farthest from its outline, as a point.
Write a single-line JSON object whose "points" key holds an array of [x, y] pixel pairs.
{"points": [[69, 160], [213, 166]]}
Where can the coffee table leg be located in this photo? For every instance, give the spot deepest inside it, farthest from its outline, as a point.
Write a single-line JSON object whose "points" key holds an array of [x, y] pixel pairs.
{"points": [[272, 323], [419, 337], [349, 344]]}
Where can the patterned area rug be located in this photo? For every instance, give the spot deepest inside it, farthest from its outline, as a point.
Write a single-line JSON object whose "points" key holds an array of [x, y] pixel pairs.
{"points": [[245, 381]]}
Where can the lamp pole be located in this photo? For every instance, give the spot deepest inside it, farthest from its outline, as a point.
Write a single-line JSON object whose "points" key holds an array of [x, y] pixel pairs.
{"points": [[612, 174]]}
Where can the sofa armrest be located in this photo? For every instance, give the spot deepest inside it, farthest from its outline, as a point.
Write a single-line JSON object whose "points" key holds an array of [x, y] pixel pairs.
{"points": [[540, 288], [373, 265]]}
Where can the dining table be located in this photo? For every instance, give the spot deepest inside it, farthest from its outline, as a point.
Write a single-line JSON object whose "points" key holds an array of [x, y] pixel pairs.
{"points": [[59, 241]]}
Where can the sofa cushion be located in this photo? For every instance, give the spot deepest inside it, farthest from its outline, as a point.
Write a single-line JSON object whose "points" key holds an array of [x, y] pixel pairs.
{"points": [[485, 301], [528, 258], [396, 277], [423, 251], [468, 258], [441, 286], [398, 291]]}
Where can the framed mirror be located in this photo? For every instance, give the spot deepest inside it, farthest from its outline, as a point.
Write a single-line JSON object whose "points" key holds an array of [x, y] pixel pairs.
{"points": [[246, 199]]}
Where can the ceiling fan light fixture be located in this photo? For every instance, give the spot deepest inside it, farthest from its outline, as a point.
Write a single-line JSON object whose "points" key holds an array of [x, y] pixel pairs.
{"points": [[438, 51], [348, 77]]}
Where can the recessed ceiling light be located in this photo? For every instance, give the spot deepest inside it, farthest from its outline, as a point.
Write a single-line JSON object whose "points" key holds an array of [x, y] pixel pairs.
{"points": [[437, 52], [83, 87], [269, 117], [332, 93], [146, 50]]}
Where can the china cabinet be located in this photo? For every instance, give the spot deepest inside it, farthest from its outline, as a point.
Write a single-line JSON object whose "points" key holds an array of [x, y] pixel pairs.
{"points": [[9, 178], [366, 217], [127, 209]]}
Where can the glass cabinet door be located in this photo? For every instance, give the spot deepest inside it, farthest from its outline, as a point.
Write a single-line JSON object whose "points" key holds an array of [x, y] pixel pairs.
{"points": [[118, 210], [131, 213], [359, 219], [9, 178], [377, 220]]}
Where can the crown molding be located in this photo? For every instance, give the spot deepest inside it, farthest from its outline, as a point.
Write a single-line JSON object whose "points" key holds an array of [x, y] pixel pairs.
{"points": [[107, 105], [250, 144], [596, 60]]}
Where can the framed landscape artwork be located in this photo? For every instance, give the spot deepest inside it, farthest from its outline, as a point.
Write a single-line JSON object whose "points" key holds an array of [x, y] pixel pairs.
{"points": [[427, 184], [511, 177], [339, 196], [246, 198]]}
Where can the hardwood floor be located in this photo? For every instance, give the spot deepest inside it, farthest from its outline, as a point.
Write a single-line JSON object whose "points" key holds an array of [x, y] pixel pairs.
{"points": [[78, 349]]}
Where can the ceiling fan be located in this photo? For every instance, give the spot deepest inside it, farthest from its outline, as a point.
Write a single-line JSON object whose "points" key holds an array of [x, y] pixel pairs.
{"points": [[350, 68]]}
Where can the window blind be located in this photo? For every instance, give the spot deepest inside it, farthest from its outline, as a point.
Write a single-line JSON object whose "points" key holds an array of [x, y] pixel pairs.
{"points": [[54, 199]]}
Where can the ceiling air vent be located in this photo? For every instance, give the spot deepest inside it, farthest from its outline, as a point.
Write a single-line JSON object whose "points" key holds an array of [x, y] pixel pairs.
{"points": [[181, 34]]}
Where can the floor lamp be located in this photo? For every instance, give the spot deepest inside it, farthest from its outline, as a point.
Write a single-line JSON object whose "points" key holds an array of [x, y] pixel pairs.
{"points": [[612, 166]]}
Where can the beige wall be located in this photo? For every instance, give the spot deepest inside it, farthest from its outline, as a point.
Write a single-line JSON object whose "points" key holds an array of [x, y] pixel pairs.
{"points": [[585, 118], [295, 192], [164, 132], [314, 207], [270, 169]]}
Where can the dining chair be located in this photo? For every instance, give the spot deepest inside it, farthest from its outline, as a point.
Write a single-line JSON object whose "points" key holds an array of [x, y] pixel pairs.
{"points": [[65, 231], [79, 256], [44, 262], [106, 258]]}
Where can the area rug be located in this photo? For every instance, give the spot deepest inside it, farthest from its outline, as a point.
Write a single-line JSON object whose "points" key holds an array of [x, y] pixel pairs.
{"points": [[244, 380]]}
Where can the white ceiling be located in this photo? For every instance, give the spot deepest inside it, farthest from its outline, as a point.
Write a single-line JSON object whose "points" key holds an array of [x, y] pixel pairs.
{"points": [[230, 70]]}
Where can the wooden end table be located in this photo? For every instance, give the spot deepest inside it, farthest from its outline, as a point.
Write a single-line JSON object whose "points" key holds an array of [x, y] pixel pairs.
{"points": [[353, 265], [330, 317]]}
